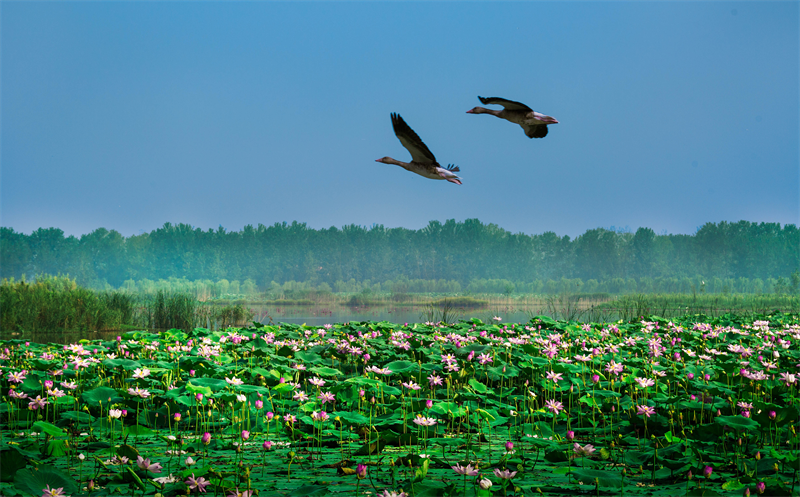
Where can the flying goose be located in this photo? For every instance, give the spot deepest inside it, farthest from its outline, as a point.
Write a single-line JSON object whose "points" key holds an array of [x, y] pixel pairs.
{"points": [[534, 123], [422, 160]]}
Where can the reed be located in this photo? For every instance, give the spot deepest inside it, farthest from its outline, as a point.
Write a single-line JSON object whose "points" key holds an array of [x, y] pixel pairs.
{"points": [[167, 310], [57, 303]]}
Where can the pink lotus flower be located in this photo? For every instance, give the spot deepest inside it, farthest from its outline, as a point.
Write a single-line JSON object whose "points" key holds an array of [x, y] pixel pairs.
{"points": [[645, 411], [146, 466], [236, 493], [468, 470], [585, 451], [554, 376], [423, 421], [53, 492], [505, 474], [554, 406], [198, 484]]}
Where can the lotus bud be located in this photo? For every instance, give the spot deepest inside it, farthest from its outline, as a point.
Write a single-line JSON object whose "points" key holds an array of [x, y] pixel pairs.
{"points": [[509, 446], [206, 439], [270, 415], [485, 483], [259, 404], [267, 445], [570, 435], [760, 487]]}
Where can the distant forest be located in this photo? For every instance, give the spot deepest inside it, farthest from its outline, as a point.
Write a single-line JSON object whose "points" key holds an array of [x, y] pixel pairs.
{"points": [[741, 256]]}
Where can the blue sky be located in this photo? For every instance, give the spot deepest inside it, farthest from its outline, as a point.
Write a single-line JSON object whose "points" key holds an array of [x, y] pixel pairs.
{"points": [[127, 115]]}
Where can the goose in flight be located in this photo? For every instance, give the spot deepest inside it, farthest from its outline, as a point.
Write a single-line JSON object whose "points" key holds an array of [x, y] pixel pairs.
{"points": [[422, 160], [534, 123]]}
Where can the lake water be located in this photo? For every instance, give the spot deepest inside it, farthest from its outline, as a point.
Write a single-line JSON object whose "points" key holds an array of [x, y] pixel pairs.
{"points": [[318, 315]]}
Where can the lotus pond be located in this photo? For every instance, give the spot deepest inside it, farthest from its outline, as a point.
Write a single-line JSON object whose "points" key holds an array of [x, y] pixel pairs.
{"points": [[693, 406]]}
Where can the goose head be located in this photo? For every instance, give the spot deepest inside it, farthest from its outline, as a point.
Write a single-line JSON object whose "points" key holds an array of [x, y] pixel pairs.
{"points": [[545, 119], [477, 110]]}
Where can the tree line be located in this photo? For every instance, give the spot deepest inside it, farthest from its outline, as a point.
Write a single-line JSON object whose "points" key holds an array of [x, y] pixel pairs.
{"points": [[462, 252]]}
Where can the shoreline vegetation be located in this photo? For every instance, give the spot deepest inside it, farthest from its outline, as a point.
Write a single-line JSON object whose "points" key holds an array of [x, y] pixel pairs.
{"points": [[59, 304]]}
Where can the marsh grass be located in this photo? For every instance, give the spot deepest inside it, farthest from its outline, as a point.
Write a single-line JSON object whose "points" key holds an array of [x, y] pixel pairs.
{"points": [[167, 310], [57, 303], [441, 311], [233, 315], [631, 307]]}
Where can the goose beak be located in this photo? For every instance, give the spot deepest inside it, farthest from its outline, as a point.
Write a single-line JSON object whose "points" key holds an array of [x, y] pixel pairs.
{"points": [[470, 111]]}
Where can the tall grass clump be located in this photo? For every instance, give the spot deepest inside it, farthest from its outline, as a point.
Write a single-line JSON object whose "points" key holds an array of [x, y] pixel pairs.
{"points": [[232, 315], [167, 310], [57, 303]]}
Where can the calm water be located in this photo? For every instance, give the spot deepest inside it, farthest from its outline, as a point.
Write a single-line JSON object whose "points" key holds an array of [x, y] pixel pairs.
{"points": [[314, 316], [319, 315]]}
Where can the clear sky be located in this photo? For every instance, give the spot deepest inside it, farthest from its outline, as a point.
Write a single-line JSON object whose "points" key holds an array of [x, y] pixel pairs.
{"points": [[127, 115]]}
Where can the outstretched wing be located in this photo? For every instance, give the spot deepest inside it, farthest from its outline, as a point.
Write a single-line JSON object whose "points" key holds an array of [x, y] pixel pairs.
{"points": [[508, 104], [412, 142], [537, 131]]}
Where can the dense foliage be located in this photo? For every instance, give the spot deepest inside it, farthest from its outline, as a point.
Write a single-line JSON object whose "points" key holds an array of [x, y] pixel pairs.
{"points": [[744, 255], [655, 407]]}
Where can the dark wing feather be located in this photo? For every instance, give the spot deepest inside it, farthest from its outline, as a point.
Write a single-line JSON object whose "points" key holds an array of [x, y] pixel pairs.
{"points": [[508, 104], [538, 131], [451, 167], [412, 142]]}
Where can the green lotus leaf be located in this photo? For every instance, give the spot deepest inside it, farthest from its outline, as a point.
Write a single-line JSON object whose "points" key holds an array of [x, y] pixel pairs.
{"points": [[604, 478], [34, 480], [101, 395]]}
